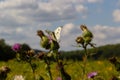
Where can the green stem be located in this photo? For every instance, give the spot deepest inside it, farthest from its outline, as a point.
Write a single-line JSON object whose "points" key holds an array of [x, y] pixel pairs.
{"points": [[33, 70], [60, 67], [84, 62], [49, 72], [48, 68]]}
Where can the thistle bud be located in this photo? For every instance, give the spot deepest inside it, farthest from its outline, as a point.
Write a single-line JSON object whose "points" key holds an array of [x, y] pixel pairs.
{"points": [[45, 42], [30, 52], [86, 34], [40, 33], [87, 39], [54, 45], [79, 40], [83, 27]]}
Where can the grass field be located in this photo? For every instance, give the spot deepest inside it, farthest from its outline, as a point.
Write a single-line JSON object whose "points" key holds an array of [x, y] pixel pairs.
{"points": [[104, 68]]}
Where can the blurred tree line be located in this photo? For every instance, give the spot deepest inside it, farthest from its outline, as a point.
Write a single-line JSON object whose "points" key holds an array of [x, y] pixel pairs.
{"points": [[101, 52], [6, 52]]}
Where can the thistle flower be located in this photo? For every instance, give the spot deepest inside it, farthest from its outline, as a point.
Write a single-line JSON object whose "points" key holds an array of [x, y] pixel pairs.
{"points": [[30, 52], [92, 74], [4, 70], [16, 47], [59, 78], [53, 44], [19, 77]]}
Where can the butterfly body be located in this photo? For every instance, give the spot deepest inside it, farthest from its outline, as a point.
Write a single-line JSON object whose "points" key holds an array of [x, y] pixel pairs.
{"points": [[55, 36]]}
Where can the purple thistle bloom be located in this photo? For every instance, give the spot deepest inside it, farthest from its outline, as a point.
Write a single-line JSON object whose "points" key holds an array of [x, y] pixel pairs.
{"points": [[59, 78], [50, 39], [92, 74], [16, 47]]}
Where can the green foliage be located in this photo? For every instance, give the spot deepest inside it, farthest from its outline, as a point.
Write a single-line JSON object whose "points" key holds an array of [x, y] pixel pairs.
{"points": [[6, 52], [101, 52], [104, 68]]}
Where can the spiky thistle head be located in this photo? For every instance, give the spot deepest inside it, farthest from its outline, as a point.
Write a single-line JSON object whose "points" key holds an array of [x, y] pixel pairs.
{"points": [[79, 40], [83, 27], [40, 33]]}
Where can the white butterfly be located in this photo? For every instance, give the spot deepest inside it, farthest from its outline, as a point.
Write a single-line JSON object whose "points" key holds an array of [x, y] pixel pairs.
{"points": [[56, 34]]}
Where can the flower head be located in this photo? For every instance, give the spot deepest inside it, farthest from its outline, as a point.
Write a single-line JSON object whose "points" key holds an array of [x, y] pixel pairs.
{"points": [[30, 52], [16, 47], [50, 39], [79, 40], [40, 33], [19, 77], [92, 74], [59, 78], [4, 69], [83, 27]]}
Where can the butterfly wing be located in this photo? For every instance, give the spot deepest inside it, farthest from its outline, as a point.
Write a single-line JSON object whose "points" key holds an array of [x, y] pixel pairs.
{"points": [[57, 33]]}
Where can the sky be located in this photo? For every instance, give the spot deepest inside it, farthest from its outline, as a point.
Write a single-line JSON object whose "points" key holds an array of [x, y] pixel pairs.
{"points": [[20, 20]]}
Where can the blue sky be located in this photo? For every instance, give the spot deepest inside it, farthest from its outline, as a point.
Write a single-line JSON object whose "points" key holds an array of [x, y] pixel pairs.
{"points": [[20, 19]]}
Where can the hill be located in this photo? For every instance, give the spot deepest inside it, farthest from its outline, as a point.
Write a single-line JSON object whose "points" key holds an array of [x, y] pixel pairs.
{"points": [[101, 52]]}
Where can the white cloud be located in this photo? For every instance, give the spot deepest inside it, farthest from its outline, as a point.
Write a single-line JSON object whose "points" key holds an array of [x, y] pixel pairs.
{"points": [[27, 12], [67, 28], [81, 8], [20, 19], [106, 34], [116, 15], [19, 29], [94, 1], [11, 4]]}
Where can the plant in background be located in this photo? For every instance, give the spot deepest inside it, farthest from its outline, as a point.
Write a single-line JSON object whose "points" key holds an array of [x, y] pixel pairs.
{"points": [[45, 43], [83, 41], [114, 60], [18, 77], [17, 47], [59, 78], [24, 53], [51, 43], [4, 70], [47, 60], [92, 75], [29, 58]]}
